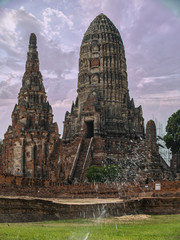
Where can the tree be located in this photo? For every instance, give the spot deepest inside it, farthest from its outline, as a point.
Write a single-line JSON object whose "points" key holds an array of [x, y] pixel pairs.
{"points": [[172, 138]]}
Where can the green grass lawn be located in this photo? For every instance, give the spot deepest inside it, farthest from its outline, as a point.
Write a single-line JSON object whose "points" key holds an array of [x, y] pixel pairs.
{"points": [[165, 227]]}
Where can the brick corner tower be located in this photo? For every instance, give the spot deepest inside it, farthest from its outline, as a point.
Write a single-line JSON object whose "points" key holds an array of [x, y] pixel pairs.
{"points": [[30, 142]]}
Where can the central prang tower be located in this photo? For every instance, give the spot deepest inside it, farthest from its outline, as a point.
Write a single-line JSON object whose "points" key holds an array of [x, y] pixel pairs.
{"points": [[104, 127], [103, 106]]}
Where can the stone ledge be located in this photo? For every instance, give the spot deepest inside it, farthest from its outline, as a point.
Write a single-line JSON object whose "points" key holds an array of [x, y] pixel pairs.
{"points": [[27, 210]]}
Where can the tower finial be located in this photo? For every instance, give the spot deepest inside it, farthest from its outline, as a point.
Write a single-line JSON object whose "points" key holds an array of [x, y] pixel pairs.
{"points": [[32, 41], [32, 63]]}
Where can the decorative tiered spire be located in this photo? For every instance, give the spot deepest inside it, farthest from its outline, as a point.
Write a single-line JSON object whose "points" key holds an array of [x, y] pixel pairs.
{"points": [[32, 63], [32, 41], [32, 83], [33, 133]]}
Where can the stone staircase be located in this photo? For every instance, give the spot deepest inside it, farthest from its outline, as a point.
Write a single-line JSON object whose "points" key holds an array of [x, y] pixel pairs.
{"points": [[81, 164]]}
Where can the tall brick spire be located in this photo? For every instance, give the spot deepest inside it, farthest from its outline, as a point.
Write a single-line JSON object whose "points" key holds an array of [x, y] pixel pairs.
{"points": [[30, 140], [32, 83]]}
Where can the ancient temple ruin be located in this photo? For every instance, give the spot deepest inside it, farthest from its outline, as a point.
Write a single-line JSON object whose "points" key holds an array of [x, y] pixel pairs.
{"points": [[103, 106], [104, 126], [31, 140]]}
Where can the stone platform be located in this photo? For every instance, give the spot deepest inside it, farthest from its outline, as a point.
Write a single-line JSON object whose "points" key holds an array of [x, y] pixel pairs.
{"points": [[28, 209]]}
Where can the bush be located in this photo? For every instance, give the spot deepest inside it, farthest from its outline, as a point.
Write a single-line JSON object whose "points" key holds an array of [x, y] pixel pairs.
{"points": [[111, 173], [95, 174]]}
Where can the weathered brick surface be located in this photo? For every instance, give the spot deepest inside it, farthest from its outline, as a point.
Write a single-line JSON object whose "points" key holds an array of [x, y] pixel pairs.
{"points": [[19, 186], [104, 126], [23, 210], [104, 110], [30, 144], [103, 95]]}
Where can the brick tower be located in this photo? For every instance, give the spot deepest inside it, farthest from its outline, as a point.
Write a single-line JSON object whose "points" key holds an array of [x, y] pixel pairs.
{"points": [[30, 142], [104, 126], [103, 106]]}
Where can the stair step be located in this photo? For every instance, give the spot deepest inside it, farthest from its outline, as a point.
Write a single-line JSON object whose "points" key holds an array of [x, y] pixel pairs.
{"points": [[81, 159]]}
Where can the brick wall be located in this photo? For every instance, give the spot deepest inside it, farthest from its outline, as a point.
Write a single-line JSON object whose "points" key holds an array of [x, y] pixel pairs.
{"points": [[19, 186], [25, 210]]}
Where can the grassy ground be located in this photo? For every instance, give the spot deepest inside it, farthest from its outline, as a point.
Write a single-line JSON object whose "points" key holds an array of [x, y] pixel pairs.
{"points": [[142, 227]]}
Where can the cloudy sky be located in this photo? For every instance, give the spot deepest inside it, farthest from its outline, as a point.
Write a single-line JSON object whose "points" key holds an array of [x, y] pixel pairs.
{"points": [[150, 30]]}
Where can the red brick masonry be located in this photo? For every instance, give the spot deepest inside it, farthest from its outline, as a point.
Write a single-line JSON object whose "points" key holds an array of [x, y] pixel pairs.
{"points": [[19, 186]]}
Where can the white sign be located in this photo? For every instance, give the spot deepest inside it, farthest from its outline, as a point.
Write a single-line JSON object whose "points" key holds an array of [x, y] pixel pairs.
{"points": [[157, 186]]}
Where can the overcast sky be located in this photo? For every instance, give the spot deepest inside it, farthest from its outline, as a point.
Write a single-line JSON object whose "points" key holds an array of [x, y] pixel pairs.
{"points": [[150, 30]]}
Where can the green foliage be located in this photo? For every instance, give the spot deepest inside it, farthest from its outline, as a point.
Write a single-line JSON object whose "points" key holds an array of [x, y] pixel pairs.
{"points": [[111, 173], [95, 174], [165, 227], [172, 138]]}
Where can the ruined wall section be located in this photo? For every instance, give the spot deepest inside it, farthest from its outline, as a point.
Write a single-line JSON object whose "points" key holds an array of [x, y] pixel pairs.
{"points": [[157, 164], [19, 186], [138, 160]]}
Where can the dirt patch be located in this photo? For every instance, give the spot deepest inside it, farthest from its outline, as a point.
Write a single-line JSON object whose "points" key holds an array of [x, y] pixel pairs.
{"points": [[123, 219], [139, 217]]}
